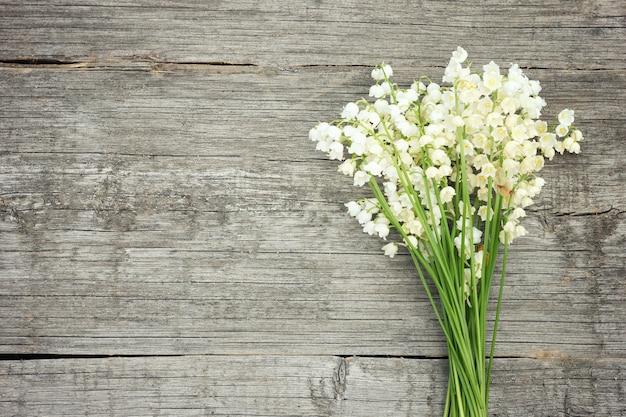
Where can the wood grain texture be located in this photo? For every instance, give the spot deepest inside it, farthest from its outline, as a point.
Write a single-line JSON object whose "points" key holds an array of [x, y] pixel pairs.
{"points": [[167, 243], [299, 385], [160, 202], [579, 34]]}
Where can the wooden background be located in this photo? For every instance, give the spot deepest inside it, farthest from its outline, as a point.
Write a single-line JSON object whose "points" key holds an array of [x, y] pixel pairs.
{"points": [[172, 244]]}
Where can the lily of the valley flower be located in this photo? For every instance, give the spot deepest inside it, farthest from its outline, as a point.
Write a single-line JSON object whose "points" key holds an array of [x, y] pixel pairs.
{"points": [[452, 167]]}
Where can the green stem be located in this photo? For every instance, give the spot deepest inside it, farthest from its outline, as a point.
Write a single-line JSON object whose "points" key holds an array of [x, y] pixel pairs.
{"points": [[497, 319]]}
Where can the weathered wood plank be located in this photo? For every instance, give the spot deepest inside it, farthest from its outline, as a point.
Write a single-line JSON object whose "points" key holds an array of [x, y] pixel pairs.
{"points": [[299, 385], [158, 212], [119, 298], [254, 123], [581, 34]]}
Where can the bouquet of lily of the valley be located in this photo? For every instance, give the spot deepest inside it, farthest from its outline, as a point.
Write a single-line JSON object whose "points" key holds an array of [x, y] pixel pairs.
{"points": [[451, 168]]}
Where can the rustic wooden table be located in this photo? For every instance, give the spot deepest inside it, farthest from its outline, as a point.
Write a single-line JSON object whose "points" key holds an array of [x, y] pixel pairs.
{"points": [[172, 244]]}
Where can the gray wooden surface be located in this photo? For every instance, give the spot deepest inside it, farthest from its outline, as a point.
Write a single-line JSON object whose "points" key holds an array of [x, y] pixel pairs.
{"points": [[172, 244]]}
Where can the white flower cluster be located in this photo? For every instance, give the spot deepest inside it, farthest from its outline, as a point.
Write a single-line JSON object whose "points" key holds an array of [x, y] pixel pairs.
{"points": [[422, 143]]}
